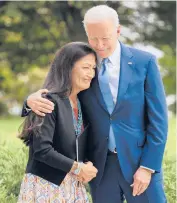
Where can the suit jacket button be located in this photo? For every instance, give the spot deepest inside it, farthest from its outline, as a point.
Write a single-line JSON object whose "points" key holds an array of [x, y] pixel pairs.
{"points": [[107, 137]]}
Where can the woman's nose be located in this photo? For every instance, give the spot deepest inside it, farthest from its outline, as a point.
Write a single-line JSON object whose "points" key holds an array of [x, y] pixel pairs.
{"points": [[91, 73]]}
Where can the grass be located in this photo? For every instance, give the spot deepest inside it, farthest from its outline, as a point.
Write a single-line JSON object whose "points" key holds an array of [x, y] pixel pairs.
{"points": [[171, 141], [13, 151], [9, 130]]}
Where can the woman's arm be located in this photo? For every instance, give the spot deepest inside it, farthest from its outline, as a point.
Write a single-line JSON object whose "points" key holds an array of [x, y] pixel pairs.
{"points": [[43, 143]]}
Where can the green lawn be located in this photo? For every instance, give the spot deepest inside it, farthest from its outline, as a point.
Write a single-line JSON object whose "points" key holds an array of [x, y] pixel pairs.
{"points": [[9, 130], [171, 141]]}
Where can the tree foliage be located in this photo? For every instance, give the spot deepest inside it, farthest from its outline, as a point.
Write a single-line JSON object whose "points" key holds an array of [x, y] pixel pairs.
{"points": [[30, 34]]}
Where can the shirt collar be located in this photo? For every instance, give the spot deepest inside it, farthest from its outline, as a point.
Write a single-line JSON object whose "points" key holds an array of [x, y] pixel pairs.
{"points": [[114, 58]]}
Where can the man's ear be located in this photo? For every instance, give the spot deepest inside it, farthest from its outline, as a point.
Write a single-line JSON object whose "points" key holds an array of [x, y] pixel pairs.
{"points": [[118, 30]]}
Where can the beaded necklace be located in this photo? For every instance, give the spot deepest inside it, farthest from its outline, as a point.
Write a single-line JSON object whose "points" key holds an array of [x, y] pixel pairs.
{"points": [[78, 122]]}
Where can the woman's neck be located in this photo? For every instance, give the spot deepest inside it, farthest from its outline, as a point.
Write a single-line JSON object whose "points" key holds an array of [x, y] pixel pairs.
{"points": [[73, 100]]}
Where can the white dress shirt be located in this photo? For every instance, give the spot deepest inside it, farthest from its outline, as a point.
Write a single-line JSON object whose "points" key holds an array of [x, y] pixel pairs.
{"points": [[113, 68]]}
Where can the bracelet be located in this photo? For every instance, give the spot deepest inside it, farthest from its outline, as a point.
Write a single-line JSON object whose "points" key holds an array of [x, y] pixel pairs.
{"points": [[78, 169]]}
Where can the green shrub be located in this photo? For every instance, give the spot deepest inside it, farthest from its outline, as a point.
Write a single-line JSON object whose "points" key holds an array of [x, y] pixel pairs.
{"points": [[13, 161], [12, 165], [170, 179]]}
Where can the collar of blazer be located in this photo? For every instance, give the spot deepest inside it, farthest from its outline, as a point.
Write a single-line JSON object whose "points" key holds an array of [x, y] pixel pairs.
{"points": [[68, 104]]}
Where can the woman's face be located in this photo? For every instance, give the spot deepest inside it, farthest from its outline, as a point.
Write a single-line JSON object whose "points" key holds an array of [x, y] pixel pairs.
{"points": [[83, 72]]}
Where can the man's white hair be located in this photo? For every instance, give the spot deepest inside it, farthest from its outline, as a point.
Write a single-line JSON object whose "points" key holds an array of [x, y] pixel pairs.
{"points": [[100, 13]]}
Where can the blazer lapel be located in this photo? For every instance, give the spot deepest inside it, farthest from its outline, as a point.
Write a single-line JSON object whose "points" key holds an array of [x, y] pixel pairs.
{"points": [[126, 70], [70, 117]]}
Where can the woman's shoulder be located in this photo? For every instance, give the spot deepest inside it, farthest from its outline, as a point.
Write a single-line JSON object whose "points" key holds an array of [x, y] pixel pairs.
{"points": [[51, 96], [54, 97]]}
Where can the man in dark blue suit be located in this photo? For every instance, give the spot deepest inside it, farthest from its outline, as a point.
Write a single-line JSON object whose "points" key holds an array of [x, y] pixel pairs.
{"points": [[126, 108]]}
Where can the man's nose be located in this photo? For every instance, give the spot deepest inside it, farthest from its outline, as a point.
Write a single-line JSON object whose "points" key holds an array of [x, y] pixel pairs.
{"points": [[100, 44]]}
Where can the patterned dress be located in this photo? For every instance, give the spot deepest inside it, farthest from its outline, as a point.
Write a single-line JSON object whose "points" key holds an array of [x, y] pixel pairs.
{"points": [[35, 189]]}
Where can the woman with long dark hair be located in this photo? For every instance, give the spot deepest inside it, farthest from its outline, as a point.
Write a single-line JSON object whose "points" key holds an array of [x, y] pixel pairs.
{"points": [[56, 168]]}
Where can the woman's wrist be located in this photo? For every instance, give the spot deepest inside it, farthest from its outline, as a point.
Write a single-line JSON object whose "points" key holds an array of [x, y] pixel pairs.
{"points": [[76, 168]]}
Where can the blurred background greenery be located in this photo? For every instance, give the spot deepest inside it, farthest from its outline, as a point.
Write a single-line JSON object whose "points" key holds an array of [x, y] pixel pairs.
{"points": [[30, 34]]}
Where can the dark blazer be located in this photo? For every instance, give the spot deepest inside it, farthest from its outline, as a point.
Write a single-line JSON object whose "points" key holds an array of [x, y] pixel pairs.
{"points": [[52, 153]]}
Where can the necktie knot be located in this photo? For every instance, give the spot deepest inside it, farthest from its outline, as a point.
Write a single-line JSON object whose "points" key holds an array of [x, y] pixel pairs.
{"points": [[105, 61], [104, 64]]}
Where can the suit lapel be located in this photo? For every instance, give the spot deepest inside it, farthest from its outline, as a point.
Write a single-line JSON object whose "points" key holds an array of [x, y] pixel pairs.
{"points": [[126, 70], [96, 89]]}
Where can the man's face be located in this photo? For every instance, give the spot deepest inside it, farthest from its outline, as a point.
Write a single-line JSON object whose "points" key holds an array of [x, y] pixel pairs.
{"points": [[102, 37]]}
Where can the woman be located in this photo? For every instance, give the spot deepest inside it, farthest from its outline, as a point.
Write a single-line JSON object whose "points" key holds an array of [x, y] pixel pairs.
{"points": [[56, 170]]}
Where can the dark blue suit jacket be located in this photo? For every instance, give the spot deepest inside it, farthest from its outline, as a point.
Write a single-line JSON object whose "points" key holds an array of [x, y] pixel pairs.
{"points": [[139, 118]]}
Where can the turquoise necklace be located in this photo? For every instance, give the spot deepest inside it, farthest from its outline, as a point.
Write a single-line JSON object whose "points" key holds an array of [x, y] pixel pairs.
{"points": [[79, 122]]}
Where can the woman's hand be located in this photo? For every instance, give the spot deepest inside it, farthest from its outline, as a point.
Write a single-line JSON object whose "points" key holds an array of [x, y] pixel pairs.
{"points": [[87, 172]]}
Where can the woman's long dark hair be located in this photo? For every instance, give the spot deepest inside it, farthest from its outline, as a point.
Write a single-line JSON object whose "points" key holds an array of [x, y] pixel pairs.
{"points": [[57, 81]]}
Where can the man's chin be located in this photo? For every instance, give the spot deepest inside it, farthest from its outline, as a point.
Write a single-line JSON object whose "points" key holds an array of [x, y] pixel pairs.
{"points": [[102, 55]]}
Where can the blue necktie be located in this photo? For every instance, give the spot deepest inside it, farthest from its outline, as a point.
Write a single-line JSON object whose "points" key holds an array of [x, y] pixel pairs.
{"points": [[103, 78]]}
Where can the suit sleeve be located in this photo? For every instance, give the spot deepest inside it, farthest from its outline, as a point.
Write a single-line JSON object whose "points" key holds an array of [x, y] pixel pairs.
{"points": [[157, 128], [25, 109], [43, 144]]}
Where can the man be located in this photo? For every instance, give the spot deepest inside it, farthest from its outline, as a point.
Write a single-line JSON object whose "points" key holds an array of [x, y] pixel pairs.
{"points": [[126, 108]]}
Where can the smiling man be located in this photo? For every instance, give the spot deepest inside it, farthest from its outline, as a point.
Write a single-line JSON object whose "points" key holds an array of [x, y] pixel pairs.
{"points": [[127, 110]]}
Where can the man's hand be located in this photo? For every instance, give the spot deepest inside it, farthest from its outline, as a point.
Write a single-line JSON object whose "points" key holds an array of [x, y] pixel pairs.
{"points": [[142, 178], [40, 105], [87, 173]]}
